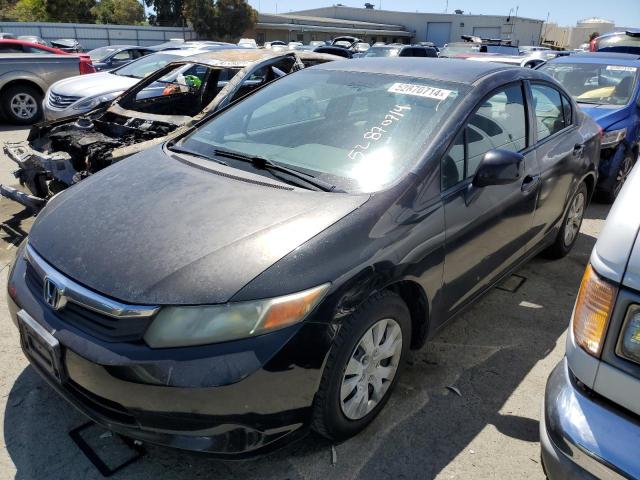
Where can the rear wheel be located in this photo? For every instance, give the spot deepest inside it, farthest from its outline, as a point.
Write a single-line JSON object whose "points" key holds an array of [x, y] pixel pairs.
{"points": [[363, 366], [22, 104], [568, 233]]}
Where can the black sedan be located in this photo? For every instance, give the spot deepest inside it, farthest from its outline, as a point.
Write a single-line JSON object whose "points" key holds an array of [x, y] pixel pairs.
{"points": [[269, 270]]}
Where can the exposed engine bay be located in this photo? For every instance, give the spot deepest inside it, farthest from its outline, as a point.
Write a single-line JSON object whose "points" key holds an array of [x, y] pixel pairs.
{"points": [[59, 155]]}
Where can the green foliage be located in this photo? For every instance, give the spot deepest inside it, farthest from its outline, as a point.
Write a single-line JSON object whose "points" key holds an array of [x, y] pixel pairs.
{"points": [[220, 20], [72, 11], [119, 12], [168, 13], [29, 11]]}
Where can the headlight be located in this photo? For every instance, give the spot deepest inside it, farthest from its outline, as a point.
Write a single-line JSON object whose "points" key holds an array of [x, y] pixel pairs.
{"points": [[93, 102], [629, 343], [184, 326], [591, 313], [613, 137]]}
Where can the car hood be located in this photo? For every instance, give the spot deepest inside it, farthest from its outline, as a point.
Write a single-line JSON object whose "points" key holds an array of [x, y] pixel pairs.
{"points": [[93, 84], [605, 115], [153, 229]]}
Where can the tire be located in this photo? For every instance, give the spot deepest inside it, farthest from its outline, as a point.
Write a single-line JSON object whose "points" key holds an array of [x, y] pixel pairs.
{"points": [[22, 104], [566, 239], [626, 165], [336, 420]]}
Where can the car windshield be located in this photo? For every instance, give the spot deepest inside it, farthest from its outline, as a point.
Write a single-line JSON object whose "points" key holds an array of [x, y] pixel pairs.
{"points": [[460, 48], [382, 52], [101, 53], [595, 83], [357, 131], [146, 65]]}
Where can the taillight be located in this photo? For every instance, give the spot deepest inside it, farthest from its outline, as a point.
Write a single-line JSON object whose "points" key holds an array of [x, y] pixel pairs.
{"points": [[593, 309], [86, 66]]}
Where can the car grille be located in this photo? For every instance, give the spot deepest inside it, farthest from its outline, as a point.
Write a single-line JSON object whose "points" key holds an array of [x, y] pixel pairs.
{"points": [[101, 326], [61, 101]]}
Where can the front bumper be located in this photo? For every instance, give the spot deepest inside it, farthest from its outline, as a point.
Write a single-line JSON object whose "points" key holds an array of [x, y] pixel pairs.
{"points": [[583, 436], [232, 399]]}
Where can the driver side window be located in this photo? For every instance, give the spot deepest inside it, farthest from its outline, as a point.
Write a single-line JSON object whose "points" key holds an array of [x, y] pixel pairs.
{"points": [[498, 123]]}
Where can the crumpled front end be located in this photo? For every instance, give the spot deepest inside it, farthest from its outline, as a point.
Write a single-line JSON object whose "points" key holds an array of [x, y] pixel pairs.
{"points": [[60, 154]]}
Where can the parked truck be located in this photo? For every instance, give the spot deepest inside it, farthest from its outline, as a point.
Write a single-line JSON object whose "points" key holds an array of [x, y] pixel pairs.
{"points": [[25, 77]]}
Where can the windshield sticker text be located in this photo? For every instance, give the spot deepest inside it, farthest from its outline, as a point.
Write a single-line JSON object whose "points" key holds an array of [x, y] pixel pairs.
{"points": [[375, 133], [420, 90], [621, 68]]}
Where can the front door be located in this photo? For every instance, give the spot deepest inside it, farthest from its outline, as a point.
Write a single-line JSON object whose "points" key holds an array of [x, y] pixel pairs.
{"points": [[486, 229]]}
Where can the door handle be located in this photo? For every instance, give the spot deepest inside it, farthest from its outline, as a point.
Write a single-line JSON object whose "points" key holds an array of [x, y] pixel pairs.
{"points": [[530, 183]]}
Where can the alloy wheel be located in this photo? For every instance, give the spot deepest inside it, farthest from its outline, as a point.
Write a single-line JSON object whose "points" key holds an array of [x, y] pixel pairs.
{"points": [[623, 173], [371, 369], [574, 218], [24, 106]]}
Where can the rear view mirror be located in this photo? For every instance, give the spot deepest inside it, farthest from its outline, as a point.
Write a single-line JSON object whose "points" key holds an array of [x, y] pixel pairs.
{"points": [[499, 167]]}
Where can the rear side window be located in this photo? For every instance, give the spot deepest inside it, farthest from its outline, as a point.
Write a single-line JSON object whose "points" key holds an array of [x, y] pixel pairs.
{"points": [[498, 123], [419, 52], [549, 111]]}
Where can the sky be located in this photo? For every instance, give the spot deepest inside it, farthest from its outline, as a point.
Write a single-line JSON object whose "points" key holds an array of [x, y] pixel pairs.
{"points": [[625, 13]]}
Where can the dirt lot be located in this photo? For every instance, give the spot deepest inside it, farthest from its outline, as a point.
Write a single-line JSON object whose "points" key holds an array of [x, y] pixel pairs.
{"points": [[498, 355]]}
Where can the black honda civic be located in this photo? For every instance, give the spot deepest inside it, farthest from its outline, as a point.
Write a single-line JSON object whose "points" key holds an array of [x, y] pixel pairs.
{"points": [[267, 272]]}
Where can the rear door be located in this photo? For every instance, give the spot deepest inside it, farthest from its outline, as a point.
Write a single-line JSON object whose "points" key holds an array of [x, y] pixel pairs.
{"points": [[559, 149], [487, 229]]}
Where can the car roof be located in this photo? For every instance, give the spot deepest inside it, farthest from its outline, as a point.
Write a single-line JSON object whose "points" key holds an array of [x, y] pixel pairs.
{"points": [[601, 58], [120, 46], [181, 52], [238, 56], [460, 71]]}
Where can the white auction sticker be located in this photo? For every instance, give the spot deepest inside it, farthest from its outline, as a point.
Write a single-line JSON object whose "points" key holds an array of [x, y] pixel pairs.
{"points": [[621, 68], [420, 90]]}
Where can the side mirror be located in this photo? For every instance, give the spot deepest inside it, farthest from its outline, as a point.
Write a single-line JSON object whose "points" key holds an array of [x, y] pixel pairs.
{"points": [[499, 167]]}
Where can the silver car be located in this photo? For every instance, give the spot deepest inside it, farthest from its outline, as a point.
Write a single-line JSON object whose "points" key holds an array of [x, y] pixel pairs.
{"points": [[83, 93], [590, 426]]}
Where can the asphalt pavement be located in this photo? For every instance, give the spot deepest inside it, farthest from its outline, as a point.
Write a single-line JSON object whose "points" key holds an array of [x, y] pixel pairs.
{"points": [[497, 356]]}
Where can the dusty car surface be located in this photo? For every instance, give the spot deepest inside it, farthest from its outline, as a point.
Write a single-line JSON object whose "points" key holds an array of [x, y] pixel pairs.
{"points": [[60, 153], [269, 270], [590, 427]]}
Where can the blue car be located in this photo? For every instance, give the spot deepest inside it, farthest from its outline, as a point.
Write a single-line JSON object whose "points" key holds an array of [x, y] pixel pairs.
{"points": [[606, 87]]}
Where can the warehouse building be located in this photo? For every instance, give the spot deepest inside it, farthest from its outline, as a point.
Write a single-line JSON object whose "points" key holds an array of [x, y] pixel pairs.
{"points": [[302, 28], [387, 25]]}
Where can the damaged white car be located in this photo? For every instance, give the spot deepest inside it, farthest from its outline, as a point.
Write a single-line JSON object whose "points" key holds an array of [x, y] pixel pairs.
{"points": [[59, 153]]}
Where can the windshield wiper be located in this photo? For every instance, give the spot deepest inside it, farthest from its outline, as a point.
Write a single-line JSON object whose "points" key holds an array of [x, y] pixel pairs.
{"points": [[176, 149], [262, 163], [589, 103]]}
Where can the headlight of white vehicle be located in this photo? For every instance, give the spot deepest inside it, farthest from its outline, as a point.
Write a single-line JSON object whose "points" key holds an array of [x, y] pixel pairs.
{"points": [[200, 325], [613, 137], [93, 102]]}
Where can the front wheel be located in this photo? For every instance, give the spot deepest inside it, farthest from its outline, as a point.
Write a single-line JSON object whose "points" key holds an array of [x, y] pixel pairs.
{"points": [[621, 177], [363, 366], [568, 233]]}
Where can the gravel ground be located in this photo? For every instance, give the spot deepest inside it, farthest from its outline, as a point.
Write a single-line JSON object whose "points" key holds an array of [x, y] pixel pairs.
{"points": [[498, 355]]}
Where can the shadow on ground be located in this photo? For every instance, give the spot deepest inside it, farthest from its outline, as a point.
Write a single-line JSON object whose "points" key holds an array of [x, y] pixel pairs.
{"points": [[486, 354]]}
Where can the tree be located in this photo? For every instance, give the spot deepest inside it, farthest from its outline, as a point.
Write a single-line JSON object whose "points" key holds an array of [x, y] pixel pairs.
{"points": [[168, 13], [221, 20], [119, 12], [73, 11], [30, 11]]}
